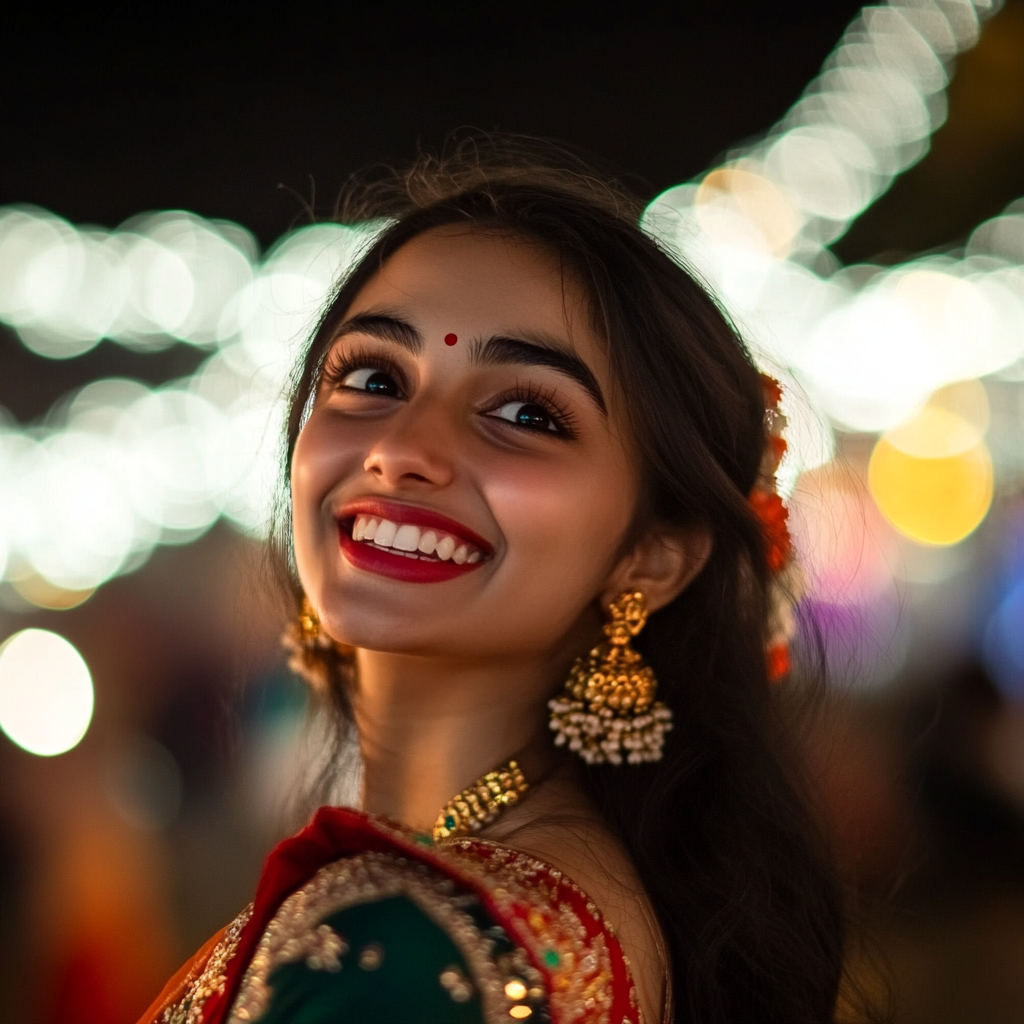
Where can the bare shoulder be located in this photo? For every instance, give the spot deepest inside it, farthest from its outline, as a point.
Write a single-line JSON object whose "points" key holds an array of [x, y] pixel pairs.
{"points": [[577, 842]]}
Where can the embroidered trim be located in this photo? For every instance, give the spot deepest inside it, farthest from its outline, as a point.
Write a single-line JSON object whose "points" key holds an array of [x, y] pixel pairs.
{"points": [[211, 976], [535, 898], [368, 877]]}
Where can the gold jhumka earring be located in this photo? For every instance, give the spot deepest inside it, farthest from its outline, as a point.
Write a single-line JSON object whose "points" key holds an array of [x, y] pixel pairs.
{"points": [[307, 644], [607, 711]]}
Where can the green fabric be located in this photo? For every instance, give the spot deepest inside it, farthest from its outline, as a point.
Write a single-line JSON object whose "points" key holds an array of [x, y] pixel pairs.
{"points": [[404, 989]]}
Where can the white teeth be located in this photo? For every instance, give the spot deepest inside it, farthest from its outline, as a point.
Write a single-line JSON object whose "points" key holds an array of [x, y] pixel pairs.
{"points": [[385, 534], [407, 538], [412, 539]]}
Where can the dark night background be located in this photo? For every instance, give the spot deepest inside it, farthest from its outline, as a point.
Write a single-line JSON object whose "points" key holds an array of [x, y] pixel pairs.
{"points": [[108, 112]]}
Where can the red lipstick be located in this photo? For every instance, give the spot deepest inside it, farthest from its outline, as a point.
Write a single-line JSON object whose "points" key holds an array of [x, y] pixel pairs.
{"points": [[409, 567]]}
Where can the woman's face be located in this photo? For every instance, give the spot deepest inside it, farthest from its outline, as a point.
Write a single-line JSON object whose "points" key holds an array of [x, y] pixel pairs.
{"points": [[462, 486]]}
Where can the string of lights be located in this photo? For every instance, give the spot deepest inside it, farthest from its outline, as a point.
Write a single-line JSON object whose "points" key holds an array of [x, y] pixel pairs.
{"points": [[117, 467]]}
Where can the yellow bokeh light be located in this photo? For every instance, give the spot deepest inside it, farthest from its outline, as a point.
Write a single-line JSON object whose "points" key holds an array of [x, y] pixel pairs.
{"points": [[935, 433], [520, 1012], [968, 399], [515, 989], [935, 498]]}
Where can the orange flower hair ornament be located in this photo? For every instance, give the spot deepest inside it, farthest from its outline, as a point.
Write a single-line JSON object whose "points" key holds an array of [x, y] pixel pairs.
{"points": [[774, 517]]}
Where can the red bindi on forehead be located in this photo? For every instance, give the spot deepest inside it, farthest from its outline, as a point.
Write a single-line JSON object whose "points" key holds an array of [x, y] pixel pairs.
{"points": [[451, 339]]}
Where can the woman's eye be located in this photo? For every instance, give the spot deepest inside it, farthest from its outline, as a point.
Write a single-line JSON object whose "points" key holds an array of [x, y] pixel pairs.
{"points": [[527, 414], [374, 382]]}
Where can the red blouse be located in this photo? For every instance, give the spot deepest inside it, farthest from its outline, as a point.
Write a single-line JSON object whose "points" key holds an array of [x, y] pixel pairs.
{"points": [[565, 963]]}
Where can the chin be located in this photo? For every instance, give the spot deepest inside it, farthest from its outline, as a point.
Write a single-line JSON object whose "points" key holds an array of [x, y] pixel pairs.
{"points": [[354, 617]]}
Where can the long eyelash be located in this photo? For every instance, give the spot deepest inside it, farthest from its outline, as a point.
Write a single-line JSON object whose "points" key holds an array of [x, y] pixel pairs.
{"points": [[547, 398], [339, 365]]}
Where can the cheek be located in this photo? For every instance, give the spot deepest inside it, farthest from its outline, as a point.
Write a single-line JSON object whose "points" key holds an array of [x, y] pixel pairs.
{"points": [[562, 521], [322, 460]]}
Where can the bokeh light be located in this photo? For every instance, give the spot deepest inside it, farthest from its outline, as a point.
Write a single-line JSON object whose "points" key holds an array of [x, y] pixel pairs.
{"points": [[1002, 627], [932, 476], [847, 549], [118, 467], [865, 119], [46, 694], [869, 344], [1004, 643]]}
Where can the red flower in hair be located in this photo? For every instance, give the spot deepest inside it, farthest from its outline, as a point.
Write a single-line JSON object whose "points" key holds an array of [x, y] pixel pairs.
{"points": [[773, 514], [772, 391], [778, 662]]}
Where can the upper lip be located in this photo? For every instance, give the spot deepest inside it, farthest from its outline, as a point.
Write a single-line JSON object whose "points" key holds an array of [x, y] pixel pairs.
{"points": [[399, 513]]}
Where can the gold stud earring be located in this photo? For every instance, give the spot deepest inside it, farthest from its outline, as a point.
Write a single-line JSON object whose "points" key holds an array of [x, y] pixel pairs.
{"points": [[308, 623], [607, 710]]}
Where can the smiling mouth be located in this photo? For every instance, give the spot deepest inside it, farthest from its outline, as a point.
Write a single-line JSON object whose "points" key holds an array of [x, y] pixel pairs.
{"points": [[421, 543], [408, 543]]}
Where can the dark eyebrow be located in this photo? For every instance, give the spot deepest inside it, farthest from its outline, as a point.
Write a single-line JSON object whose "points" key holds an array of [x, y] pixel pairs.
{"points": [[500, 349], [386, 327]]}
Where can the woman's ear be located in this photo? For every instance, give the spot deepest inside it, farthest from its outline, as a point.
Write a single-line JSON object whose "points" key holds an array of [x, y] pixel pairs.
{"points": [[662, 563]]}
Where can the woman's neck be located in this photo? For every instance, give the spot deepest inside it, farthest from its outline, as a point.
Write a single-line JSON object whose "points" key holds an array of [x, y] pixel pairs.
{"points": [[429, 728]]}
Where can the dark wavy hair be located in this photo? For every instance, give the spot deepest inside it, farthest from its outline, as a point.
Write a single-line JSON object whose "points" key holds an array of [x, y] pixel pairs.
{"points": [[720, 830]]}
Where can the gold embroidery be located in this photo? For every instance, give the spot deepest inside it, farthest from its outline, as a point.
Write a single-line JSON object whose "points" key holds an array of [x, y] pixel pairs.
{"points": [[322, 949], [371, 957], [580, 969], [458, 986], [369, 877], [210, 978]]}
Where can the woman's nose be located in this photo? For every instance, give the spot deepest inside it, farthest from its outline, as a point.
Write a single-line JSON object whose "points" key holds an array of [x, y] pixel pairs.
{"points": [[417, 448]]}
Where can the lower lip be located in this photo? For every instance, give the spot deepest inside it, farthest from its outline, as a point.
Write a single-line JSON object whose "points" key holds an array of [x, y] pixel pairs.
{"points": [[398, 567]]}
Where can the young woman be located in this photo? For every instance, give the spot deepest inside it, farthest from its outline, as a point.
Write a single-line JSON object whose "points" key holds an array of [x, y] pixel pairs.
{"points": [[526, 455]]}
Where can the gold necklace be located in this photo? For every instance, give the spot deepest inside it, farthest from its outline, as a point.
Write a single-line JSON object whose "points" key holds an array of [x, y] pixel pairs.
{"points": [[479, 804]]}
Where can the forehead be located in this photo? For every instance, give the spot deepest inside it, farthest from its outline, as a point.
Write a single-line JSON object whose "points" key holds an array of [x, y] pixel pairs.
{"points": [[487, 279]]}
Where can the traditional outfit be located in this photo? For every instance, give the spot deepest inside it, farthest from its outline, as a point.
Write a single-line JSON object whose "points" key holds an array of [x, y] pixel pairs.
{"points": [[359, 919]]}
